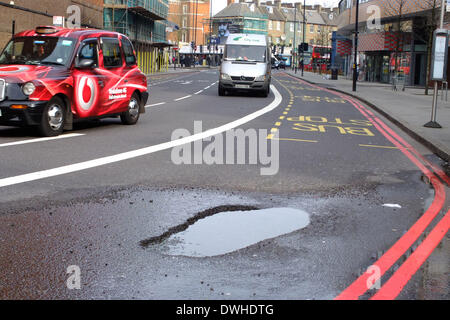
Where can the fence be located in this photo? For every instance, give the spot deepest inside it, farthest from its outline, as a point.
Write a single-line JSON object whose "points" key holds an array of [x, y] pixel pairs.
{"points": [[152, 59]]}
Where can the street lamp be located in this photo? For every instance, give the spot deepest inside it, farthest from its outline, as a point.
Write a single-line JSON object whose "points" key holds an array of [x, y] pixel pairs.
{"points": [[304, 39], [294, 47], [355, 62]]}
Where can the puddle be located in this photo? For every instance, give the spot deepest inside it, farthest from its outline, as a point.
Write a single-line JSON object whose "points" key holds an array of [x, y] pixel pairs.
{"points": [[229, 231]]}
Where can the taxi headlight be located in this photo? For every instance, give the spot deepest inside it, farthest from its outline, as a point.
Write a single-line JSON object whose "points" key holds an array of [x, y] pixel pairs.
{"points": [[28, 88], [225, 76]]}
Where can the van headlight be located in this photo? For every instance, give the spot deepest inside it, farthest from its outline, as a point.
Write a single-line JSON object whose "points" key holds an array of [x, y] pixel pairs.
{"points": [[261, 78], [28, 88], [224, 76]]}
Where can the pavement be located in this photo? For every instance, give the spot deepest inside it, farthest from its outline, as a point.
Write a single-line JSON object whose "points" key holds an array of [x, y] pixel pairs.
{"points": [[409, 109]]}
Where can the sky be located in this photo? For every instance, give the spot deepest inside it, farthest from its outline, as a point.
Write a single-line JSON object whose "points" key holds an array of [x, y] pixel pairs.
{"points": [[218, 5]]}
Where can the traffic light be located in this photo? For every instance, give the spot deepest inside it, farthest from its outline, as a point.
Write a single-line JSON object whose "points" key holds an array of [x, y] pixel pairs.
{"points": [[303, 47]]}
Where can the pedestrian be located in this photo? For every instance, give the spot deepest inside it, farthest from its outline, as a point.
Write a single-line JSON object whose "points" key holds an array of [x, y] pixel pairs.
{"points": [[174, 61]]}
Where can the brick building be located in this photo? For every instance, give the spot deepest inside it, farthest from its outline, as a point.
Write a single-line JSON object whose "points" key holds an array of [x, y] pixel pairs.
{"points": [[400, 46], [27, 14], [192, 18]]}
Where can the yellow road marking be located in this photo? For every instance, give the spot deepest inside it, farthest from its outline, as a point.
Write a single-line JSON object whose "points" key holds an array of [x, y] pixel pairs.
{"points": [[374, 146], [274, 130], [282, 117], [278, 124], [270, 137]]}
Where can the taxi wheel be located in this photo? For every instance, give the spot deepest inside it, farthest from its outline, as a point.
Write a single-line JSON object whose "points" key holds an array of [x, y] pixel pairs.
{"points": [[131, 116], [53, 118]]}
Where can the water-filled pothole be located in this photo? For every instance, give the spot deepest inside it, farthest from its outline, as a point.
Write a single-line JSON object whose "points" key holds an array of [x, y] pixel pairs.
{"points": [[229, 231]]}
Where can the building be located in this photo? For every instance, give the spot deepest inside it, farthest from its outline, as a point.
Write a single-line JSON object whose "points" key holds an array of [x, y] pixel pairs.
{"points": [[399, 47], [192, 18], [240, 17], [28, 14], [278, 21], [144, 22]]}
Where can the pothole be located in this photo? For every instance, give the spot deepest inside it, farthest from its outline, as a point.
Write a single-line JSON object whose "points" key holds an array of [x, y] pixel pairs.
{"points": [[228, 230]]}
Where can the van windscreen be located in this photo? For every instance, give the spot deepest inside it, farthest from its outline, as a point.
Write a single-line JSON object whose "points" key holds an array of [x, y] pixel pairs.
{"points": [[246, 53]]}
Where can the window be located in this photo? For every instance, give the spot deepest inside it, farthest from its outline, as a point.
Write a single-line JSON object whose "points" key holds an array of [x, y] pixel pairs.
{"points": [[278, 25], [128, 50], [292, 27], [88, 50], [185, 7], [184, 22], [270, 25], [112, 58], [38, 50], [311, 28]]}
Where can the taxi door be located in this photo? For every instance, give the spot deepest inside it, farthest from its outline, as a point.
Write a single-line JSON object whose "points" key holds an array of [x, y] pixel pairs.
{"points": [[89, 80], [115, 93]]}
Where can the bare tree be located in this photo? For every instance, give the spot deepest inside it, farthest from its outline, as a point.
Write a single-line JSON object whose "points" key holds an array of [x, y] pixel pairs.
{"points": [[396, 10]]}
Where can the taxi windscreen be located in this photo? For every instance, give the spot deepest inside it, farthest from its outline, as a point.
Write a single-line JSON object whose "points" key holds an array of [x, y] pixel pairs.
{"points": [[38, 50]]}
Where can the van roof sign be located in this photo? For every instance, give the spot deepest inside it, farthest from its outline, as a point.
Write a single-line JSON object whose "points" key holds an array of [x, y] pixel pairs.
{"points": [[246, 39]]}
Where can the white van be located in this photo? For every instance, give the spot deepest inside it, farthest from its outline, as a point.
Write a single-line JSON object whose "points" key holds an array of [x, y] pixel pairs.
{"points": [[246, 64]]}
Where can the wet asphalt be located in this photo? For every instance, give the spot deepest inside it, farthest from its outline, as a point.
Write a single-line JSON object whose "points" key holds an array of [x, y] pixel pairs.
{"points": [[333, 166]]}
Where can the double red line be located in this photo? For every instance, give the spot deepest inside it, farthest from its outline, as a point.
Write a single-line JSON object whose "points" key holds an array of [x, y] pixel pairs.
{"points": [[392, 288]]}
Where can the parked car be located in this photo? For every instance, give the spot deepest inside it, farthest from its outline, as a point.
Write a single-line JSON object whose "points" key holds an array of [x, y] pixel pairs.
{"points": [[275, 63], [51, 77]]}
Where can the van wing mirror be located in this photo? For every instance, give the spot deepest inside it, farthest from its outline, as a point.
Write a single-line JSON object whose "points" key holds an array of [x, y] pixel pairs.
{"points": [[86, 64]]}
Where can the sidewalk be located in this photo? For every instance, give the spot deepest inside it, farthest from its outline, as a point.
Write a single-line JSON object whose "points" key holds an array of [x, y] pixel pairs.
{"points": [[410, 109]]}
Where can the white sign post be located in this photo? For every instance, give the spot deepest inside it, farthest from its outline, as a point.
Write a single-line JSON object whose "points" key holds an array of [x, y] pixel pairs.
{"points": [[438, 69]]}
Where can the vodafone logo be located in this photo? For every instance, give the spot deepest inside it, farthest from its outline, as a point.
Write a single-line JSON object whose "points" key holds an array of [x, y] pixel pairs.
{"points": [[13, 69], [87, 92]]}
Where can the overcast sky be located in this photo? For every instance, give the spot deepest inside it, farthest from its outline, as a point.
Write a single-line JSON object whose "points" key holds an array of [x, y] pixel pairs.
{"points": [[218, 5]]}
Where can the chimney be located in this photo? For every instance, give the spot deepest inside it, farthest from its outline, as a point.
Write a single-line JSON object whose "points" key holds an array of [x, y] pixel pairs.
{"points": [[319, 8], [278, 4]]}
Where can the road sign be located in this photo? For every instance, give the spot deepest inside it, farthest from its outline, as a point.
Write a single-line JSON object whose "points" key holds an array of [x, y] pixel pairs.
{"points": [[440, 53], [58, 21]]}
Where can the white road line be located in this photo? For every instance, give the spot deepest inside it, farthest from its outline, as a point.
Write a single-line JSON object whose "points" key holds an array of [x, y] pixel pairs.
{"points": [[199, 92], [64, 136], [182, 98], [140, 152], [155, 104]]}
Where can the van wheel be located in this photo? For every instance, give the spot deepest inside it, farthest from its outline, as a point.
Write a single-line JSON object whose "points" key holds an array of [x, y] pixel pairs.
{"points": [[265, 93], [131, 116], [221, 91], [53, 118]]}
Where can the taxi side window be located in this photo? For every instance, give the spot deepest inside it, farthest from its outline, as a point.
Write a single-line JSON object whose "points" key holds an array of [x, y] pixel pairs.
{"points": [[112, 57], [89, 51], [128, 50]]}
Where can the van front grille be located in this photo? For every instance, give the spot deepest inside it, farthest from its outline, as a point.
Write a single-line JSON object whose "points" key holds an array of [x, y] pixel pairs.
{"points": [[243, 78]]}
